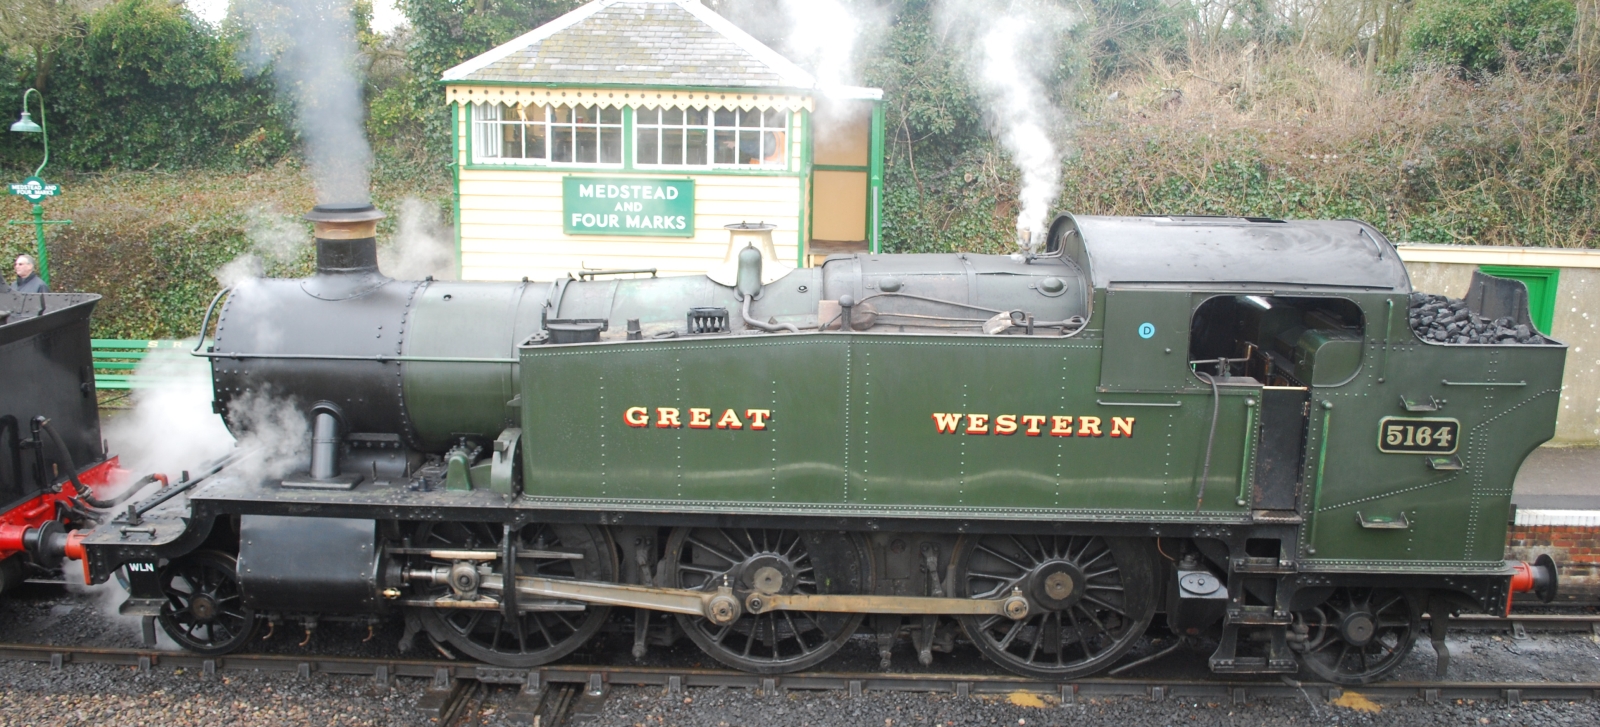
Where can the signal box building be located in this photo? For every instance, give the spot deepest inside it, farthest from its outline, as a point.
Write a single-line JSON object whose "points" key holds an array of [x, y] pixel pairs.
{"points": [[628, 133]]}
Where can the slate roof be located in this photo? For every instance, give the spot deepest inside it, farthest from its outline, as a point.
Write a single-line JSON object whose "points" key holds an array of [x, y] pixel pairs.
{"points": [[644, 42]]}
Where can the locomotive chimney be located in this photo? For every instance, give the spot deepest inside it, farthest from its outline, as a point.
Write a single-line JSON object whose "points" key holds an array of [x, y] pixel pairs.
{"points": [[346, 237]]}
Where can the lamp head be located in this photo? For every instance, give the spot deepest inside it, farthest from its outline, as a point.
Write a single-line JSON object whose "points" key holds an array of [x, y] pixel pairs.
{"points": [[26, 125]]}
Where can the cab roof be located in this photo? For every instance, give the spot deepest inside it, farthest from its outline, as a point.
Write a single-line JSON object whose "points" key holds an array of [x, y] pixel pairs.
{"points": [[1231, 252]]}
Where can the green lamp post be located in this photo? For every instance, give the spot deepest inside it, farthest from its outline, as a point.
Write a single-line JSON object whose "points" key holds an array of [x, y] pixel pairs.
{"points": [[34, 188]]}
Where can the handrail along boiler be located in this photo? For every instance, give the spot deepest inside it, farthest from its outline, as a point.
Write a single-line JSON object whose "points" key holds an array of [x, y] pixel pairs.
{"points": [[1228, 424]]}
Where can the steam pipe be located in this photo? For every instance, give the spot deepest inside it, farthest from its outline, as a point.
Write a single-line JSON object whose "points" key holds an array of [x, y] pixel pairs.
{"points": [[324, 445], [748, 286], [182, 487], [768, 327], [64, 457]]}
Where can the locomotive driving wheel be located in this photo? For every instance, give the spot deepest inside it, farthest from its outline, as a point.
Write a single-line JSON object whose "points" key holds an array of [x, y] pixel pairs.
{"points": [[544, 630], [1358, 635], [1091, 599], [204, 611], [771, 562]]}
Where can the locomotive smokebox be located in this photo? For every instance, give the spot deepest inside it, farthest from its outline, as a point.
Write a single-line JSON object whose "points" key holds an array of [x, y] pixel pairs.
{"points": [[346, 237]]}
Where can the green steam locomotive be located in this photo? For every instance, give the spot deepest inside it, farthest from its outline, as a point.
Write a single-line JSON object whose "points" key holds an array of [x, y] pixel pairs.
{"points": [[1227, 427]]}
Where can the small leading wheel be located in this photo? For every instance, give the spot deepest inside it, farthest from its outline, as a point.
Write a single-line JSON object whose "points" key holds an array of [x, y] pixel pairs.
{"points": [[1358, 635], [204, 612], [1090, 600], [546, 629], [772, 562]]}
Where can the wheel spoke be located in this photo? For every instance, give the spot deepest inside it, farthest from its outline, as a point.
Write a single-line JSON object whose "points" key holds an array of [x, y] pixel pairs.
{"points": [[798, 637], [1103, 604], [1016, 629], [692, 568], [707, 548], [1038, 635], [996, 554], [1096, 559], [1061, 640], [1024, 550]]}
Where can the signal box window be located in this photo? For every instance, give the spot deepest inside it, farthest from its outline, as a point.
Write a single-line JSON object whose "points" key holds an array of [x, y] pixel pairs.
{"points": [[546, 134], [739, 138], [672, 137], [1276, 341]]}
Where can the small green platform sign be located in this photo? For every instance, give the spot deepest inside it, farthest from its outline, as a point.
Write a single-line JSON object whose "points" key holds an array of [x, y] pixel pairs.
{"points": [[628, 206], [35, 189]]}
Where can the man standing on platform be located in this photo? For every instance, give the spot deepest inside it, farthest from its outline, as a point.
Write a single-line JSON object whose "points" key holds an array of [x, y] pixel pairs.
{"points": [[27, 280]]}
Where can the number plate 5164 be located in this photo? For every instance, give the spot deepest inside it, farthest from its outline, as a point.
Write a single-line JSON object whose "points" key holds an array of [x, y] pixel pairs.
{"points": [[1401, 435]]}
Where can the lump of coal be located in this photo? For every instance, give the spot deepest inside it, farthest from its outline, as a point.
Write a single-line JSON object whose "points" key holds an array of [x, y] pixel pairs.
{"points": [[1450, 320]]}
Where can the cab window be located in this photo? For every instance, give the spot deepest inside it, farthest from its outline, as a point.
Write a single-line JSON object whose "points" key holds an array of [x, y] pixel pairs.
{"points": [[1276, 340]]}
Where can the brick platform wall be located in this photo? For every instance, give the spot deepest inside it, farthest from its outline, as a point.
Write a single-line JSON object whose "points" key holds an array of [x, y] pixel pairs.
{"points": [[1576, 550]]}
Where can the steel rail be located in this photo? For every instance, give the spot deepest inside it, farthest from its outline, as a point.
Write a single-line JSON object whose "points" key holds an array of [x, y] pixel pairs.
{"points": [[446, 675]]}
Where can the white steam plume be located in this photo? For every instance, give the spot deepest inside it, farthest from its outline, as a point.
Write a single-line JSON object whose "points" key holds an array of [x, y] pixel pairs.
{"points": [[1012, 52], [275, 433], [422, 245], [311, 47], [274, 239], [823, 35], [172, 429]]}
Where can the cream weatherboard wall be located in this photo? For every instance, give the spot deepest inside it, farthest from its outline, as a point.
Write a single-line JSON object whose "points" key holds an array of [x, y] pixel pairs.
{"points": [[510, 226]]}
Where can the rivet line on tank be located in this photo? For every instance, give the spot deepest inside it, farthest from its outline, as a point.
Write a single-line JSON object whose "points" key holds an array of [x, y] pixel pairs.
{"points": [[847, 382], [774, 441]]}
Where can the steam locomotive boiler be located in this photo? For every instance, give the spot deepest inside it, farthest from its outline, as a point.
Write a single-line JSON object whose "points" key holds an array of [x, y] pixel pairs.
{"points": [[1226, 424]]}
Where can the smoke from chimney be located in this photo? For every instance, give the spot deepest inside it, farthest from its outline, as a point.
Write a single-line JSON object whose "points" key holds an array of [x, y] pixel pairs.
{"points": [[310, 46], [1013, 46]]}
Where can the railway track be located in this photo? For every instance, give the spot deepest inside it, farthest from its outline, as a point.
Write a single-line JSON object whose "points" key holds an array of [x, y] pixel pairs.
{"points": [[555, 695]]}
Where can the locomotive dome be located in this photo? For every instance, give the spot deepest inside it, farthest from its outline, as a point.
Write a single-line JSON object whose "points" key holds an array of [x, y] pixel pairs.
{"points": [[1231, 252]]}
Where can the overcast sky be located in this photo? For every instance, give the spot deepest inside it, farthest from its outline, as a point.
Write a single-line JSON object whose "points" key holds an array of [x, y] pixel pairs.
{"points": [[384, 14]]}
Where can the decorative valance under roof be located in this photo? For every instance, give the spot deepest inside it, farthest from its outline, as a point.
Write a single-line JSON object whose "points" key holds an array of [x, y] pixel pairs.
{"points": [[617, 98]]}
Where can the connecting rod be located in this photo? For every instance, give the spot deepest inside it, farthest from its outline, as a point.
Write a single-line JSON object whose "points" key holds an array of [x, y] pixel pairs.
{"points": [[720, 606]]}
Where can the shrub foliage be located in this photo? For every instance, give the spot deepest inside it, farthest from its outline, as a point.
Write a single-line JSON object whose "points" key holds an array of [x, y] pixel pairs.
{"points": [[1462, 121]]}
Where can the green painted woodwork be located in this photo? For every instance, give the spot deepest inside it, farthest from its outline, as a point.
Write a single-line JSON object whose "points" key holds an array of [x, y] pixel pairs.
{"points": [[117, 360], [774, 172], [1146, 340], [628, 139], [455, 177], [1542, 284], [652, 207], [875, 153], [808, 189]]}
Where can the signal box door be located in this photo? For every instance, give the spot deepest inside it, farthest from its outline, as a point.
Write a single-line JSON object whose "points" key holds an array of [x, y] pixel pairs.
{"points": [[1280, 454], [1146, 340]]}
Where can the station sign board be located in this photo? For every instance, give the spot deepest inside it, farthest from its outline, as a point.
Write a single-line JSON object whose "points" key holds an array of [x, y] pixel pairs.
{"points": [[637, 206]]}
